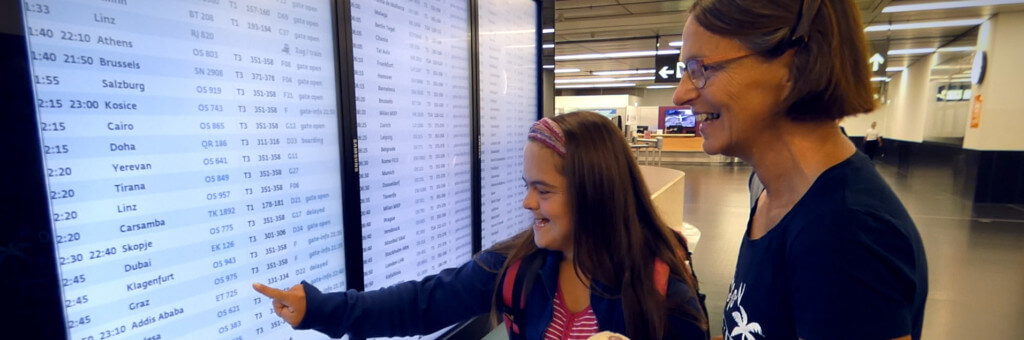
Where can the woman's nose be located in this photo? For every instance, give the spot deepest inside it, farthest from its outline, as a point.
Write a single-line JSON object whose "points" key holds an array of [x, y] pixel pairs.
{"points": [[685, 92]]}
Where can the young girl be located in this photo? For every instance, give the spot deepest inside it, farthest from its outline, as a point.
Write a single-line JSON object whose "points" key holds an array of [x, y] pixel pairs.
{"points": [[597, 258]]}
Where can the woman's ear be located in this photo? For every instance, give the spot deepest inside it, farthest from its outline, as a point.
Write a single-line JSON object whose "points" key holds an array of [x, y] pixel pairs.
{"points": [[785, 63]]}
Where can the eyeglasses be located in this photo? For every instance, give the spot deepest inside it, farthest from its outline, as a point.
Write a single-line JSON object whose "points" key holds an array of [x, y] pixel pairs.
{"points": [[697, 68]]}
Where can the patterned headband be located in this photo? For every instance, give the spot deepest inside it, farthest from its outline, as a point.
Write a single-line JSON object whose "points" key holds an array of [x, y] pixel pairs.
{"points": [[547, 132]]}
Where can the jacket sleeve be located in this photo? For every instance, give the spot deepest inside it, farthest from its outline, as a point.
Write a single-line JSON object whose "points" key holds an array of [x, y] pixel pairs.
{"points": [[408, 308], [684, 308]]}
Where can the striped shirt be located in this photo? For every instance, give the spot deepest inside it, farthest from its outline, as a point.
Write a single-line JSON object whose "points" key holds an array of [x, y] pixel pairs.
{"points": [[566, 325]]}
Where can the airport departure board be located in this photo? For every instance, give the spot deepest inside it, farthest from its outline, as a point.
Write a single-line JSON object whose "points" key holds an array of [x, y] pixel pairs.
{"points": [[190, 148], [412, 69], [508, 107]]}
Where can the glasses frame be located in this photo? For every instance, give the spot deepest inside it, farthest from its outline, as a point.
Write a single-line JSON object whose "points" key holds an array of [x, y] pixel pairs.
{"points": [[697, 68]]}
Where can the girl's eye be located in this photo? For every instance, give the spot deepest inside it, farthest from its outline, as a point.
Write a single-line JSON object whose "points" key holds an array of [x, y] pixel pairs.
{"points": [[542, 192]]}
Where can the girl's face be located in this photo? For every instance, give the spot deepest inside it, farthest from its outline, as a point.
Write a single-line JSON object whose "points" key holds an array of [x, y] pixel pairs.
{"points": [[547, 198]]}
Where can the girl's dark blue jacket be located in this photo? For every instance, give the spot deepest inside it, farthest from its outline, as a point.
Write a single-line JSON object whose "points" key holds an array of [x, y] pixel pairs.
{"points": [[457, 294]]}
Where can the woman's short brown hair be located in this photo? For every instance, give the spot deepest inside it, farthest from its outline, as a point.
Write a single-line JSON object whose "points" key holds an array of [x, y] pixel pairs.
{"points": [[830, 72]]}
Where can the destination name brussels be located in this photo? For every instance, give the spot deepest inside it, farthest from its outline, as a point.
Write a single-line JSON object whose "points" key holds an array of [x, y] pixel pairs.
{"points": [[120, 63]]}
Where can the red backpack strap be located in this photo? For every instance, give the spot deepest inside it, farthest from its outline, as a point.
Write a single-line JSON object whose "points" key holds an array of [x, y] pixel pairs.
{"points": [[661, 273], [507, 289], [508, 286]]}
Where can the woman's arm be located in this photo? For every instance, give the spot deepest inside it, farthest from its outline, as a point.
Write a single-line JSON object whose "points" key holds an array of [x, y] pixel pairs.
{"points": [[856, 268]]}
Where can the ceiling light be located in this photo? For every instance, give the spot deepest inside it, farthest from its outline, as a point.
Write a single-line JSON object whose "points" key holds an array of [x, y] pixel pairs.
{"points": [[584, 80], [661, 87], [956, 78], [636, 78], [548, 30], [895, 69], [549, 66], [548, 45], [957, 49], [613, 55], [676, 43], [531, 32], [621, 72], [588, 86], [566, 70], [928, 24], [951, 67], [911, 51], [885, 79], [947, 5], [599, 80]]}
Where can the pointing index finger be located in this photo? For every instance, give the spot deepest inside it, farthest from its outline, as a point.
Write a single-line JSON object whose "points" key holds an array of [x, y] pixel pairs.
{"points": [[270, 292]]}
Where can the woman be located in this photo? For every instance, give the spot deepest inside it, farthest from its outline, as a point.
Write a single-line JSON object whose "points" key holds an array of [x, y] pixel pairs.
{"points": [[872, 141], [595, 247], [829, 251]]}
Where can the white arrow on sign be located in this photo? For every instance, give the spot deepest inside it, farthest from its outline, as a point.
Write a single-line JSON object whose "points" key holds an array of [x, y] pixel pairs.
{"points": [[665, 72], [876, 61]]}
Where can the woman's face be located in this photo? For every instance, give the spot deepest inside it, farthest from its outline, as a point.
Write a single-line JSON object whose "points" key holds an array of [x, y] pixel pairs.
{"points": [[547, 199], [744, 94]]}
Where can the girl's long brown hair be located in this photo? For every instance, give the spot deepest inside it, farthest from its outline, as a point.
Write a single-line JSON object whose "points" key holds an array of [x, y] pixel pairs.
{"points": [[616, 232]]}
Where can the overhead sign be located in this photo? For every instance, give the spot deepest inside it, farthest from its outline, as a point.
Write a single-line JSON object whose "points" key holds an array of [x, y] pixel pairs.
{"points": [[668, 69], [879, 60], [876, 62]]}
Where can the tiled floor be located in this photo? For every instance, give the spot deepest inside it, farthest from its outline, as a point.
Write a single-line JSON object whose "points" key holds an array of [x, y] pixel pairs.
{"points": [[975, 252]]}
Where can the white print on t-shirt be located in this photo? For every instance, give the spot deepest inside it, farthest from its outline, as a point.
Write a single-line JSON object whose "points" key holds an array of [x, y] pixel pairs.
{"points": [[745, 328]]}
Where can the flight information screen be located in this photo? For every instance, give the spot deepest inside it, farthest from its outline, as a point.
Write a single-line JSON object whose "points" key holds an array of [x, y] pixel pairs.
{"points": [[411, 64], [191, 148], [508, 107]]}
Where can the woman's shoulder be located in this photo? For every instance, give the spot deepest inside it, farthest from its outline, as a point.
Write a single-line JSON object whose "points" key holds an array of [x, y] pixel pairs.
{"points": [[848, 195], [877, 232]]}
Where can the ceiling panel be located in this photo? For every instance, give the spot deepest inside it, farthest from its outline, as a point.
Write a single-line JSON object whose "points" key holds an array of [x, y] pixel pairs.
{"points": [[945, 14], [603, 26], [607, 64], [605, 46]]}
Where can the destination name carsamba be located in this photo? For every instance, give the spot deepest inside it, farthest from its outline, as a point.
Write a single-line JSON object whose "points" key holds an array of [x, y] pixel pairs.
{"points": [[155, 223]]}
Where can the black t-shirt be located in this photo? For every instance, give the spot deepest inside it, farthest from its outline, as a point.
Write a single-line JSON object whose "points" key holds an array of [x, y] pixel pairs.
{"points": [[845, 263]]}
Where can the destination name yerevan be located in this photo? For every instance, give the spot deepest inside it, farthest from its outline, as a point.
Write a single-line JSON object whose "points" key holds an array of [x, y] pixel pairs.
{"points": [[131, 167], [155, 223]]}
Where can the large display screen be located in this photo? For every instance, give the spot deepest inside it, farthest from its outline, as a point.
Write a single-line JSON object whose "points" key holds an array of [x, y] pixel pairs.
{"points": [[191, 148], [508, 107], [411, 64]]}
